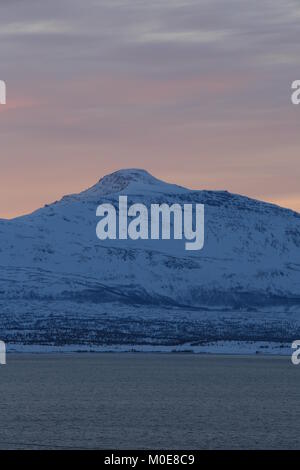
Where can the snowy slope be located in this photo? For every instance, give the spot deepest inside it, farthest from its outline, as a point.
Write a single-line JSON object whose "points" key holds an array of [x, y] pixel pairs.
{"points": [[250, 260]]}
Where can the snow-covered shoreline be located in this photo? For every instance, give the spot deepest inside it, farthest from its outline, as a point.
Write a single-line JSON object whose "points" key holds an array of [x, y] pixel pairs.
{"points": [[220, 347]]}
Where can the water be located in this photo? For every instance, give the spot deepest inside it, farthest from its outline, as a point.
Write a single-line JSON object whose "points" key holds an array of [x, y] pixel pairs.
{"points": [[149, 401]]}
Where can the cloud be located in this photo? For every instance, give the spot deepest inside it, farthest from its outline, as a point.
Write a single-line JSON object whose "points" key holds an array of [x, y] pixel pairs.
{"points": [[184, 37], [34, 28], [198, 89]]}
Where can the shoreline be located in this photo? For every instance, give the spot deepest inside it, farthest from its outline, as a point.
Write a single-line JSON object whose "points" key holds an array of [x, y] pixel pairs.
{"points": [[233, 348]]}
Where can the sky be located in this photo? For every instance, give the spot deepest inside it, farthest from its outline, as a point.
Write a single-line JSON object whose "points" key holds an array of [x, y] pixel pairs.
{"points": [[196, 92]]}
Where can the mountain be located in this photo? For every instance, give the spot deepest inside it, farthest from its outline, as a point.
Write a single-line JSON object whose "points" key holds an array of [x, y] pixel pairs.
{"points": [[61, 285]]}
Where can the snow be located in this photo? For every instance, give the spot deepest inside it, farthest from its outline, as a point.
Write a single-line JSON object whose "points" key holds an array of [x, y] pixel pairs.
{"points": [[218, 347], [245, 281]]}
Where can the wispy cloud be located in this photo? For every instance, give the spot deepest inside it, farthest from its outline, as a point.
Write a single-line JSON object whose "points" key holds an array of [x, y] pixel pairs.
{"points": [[184, 37], [195, 89], [35, 28]]}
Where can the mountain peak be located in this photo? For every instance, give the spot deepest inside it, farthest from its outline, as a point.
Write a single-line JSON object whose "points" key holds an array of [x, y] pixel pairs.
{"points": [[128, 175], [130, 179]]}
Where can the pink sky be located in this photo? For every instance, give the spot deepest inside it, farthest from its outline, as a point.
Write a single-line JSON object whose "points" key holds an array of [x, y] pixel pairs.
{"points": [[194, 93]]}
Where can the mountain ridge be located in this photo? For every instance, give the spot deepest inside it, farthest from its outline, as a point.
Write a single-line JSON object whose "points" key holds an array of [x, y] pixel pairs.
{"points": [[52, 263], [105, 186]]}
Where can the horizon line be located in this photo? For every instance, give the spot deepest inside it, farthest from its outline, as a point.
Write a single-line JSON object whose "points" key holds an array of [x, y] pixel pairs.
{"points": [[59, 199]]}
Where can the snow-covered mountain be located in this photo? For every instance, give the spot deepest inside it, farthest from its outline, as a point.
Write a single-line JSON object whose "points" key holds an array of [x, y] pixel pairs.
{"points": [[53, 266]]}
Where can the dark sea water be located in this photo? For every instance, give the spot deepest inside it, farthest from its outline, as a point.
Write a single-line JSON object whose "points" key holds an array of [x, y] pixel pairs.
{"points": [[144, 401]]}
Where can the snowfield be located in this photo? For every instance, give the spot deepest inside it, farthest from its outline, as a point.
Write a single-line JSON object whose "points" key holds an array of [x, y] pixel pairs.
{"points": [[62, 288]]}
